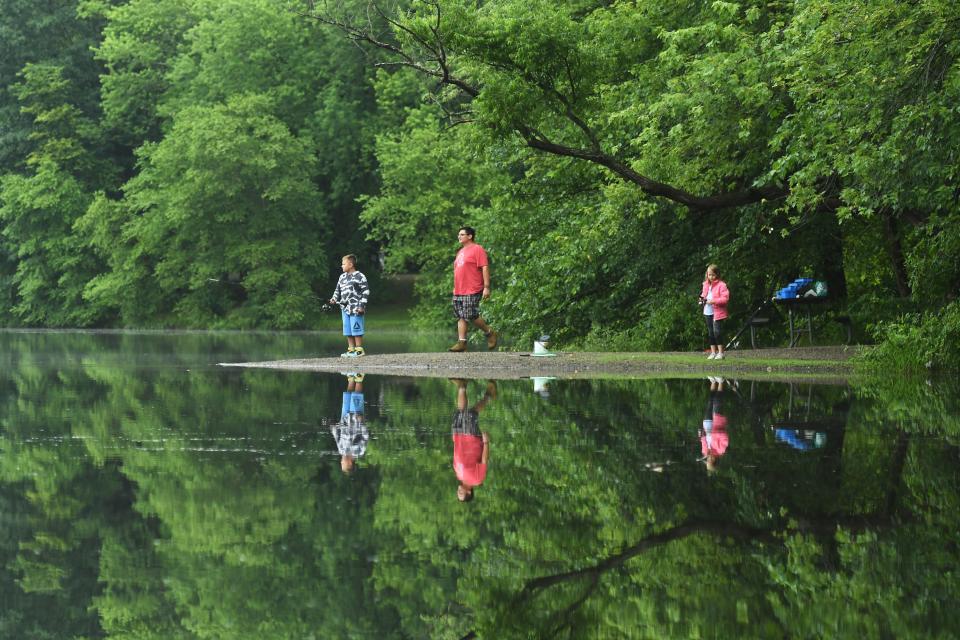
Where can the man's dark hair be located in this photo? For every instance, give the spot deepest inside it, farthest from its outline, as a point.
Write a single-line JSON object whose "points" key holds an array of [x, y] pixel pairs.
{"points": [[470, 231]]}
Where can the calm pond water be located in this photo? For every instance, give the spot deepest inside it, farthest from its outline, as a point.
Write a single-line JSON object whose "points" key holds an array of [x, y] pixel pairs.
{"points": [[147, 493]]}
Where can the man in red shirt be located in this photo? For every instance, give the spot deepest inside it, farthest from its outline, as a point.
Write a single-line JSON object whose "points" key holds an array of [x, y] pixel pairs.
{"points": [[471, 283]]}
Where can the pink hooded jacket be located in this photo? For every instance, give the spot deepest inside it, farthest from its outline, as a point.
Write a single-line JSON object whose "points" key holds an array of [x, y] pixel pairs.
{"points": [[718, 441], [721, 296]]}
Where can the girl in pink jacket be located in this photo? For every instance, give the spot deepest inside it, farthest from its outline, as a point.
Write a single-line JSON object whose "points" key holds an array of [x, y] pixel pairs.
{"points": [[714, 297]]}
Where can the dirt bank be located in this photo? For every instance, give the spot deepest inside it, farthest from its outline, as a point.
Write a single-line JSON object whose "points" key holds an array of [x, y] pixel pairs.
{"points": [[802, 362]]}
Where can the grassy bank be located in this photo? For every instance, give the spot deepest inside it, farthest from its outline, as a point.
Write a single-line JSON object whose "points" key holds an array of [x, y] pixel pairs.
{"points": [[839, 358]]}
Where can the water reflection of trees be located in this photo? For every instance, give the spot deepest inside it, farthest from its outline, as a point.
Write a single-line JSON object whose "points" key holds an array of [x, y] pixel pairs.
{"points": [[207, 505]]}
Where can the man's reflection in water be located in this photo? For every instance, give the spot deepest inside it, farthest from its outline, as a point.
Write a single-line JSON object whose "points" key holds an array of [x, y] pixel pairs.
{"points": [[350, 432], [713, 432], [471, 447]]}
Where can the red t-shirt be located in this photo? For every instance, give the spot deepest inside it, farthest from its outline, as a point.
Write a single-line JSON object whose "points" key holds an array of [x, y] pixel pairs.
{"points": [[467, 274], [467, 456]]}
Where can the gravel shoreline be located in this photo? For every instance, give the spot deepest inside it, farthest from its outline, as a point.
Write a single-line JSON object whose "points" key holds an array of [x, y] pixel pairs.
{"points": [[813, 362]]}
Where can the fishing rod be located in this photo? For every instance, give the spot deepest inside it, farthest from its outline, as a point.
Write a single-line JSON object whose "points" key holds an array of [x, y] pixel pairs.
{"points": [[735, 339], [324, 306]]}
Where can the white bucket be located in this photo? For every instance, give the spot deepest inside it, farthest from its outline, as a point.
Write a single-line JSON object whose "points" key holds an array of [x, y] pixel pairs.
{"points": [[540, 348], [540, 385]]}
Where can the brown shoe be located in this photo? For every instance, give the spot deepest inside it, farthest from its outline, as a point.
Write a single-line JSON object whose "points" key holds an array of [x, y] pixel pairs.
{"points": [[492, 339], [459, 347]]}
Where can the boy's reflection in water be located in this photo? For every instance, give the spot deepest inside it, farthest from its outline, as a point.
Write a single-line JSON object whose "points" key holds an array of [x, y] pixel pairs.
{"points": [[471, 447], [713, 432], [350, 432]]}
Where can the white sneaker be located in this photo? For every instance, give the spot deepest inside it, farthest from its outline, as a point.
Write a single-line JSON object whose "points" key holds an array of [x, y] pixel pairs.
{"points": [[719, 356], [346, 354], [711, 356]]}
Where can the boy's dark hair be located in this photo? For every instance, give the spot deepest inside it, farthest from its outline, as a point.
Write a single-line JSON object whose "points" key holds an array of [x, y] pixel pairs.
{"points": [[352, 258], [470, 231]]}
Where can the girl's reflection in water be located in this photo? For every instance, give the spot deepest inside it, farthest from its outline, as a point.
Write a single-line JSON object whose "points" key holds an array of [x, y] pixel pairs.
{"points": [[713, 431]]}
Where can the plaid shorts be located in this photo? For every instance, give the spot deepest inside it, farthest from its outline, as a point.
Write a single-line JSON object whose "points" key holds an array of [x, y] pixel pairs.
{"points": [[467, 307], [466, 422]]}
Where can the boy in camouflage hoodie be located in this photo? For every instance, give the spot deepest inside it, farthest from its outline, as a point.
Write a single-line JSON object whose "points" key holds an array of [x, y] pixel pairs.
{"points": [[351, 294]]}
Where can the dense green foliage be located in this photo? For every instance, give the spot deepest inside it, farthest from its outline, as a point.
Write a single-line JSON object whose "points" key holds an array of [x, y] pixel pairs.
{"points": [[177, 163], [608, 151], [147, 495], [199, 163]]}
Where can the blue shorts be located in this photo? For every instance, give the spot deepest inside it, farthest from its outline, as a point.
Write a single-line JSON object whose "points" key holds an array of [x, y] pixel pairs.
{"points": [[352, 403], [352, 325]]}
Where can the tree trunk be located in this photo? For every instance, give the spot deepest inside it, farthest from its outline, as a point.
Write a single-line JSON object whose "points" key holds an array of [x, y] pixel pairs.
{"points": [[831, 245], [895, 252]]}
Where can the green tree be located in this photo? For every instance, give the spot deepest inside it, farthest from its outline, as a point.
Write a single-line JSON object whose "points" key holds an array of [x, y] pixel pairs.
{"points": [[38, 209], [251, 153], [225, 211], [49, 35]]}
